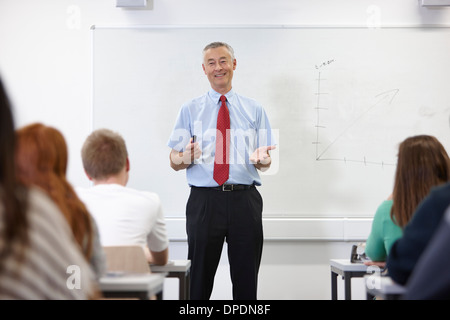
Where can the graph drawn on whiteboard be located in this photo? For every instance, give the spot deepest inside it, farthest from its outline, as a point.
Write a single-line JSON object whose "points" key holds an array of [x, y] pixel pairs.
{"points": [[335, 147]]}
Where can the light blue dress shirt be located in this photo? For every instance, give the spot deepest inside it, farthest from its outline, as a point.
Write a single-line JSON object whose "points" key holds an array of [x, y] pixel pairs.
{"points": [[249, 130]]}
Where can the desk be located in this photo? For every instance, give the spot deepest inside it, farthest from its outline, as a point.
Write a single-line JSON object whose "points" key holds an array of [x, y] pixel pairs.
{"points": [[347, 270], [177, 269], [141, 286], [383, 287]]}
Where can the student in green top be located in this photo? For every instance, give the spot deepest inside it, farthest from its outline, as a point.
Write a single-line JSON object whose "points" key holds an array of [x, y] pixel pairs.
{"points": [[422, 164]]}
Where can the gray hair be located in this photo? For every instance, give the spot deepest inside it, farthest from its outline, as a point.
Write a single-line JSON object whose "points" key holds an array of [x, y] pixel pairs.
{"points": [[214, 45]]}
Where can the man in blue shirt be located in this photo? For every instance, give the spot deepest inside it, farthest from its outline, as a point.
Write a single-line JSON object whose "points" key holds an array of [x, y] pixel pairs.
{"points": [[232, 210]]}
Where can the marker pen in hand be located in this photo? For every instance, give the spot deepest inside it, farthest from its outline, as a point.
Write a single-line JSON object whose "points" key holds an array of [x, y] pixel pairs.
{"points": [[194, 139]]}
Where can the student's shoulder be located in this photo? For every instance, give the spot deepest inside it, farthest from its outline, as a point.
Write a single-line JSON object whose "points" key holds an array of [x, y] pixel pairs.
{"points": [[149, 195], [45, 215], [80, 190], [438, 198], [39, 202], [432, 208], [387, 203], [441, 191], [384, 209]]}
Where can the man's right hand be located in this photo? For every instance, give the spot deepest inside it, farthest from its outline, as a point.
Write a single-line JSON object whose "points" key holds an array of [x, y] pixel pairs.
{"points": [[182, 160]]}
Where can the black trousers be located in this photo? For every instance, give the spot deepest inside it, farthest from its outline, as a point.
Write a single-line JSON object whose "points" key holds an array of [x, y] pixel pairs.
{"points": [[214, 216]]}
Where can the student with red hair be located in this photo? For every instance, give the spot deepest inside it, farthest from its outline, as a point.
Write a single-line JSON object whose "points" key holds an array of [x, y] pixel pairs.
{"points": [[42, 158], [36, 246]]}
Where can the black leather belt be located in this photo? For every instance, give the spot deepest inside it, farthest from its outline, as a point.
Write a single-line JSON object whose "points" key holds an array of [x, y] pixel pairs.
{"points": [[229, 187]]}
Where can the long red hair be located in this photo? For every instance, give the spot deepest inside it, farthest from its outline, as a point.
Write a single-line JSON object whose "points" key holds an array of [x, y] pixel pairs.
{"points": [[41, 158]]}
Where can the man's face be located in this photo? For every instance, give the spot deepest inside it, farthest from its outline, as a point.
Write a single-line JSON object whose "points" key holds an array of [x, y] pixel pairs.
{"points": [[219, 66]]}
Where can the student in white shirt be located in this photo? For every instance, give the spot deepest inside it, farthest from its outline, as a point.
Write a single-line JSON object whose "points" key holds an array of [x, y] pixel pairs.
{"points": [[125, 216]]}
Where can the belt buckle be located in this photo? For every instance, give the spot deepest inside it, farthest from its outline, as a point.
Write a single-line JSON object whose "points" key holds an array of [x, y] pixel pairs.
{"points": [[223, 187]]}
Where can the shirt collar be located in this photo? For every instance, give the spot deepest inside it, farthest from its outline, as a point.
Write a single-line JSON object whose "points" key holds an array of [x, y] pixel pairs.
{"points": [[215, 96]]}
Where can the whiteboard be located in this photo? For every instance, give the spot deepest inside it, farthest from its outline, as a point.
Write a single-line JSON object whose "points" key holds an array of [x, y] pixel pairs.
{"points": [[340, 100]]}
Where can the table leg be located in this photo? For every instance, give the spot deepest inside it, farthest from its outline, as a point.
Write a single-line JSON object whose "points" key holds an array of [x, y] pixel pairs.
{"points": [[333, 285], [182, 287], [188, 286], [348, 286]]}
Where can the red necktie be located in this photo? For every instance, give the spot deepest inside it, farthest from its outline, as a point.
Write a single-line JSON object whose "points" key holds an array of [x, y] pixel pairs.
{"points": [[221, 163]]}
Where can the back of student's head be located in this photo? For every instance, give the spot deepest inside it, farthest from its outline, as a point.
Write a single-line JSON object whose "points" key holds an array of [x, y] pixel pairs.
{"points": [[104, 154], [422, 164], [13, 203], [42, 156], [41, 153]]}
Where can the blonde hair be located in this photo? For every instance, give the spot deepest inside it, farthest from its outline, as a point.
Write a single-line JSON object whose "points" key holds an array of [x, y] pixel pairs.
{"points": [[104, 154]]}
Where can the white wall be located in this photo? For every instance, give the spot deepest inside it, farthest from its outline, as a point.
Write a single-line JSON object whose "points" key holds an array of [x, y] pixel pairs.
{"points": [[45, 62]]}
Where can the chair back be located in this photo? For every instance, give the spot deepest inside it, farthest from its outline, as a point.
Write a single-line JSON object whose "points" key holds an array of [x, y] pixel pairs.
{"points": [[128, 259]]}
